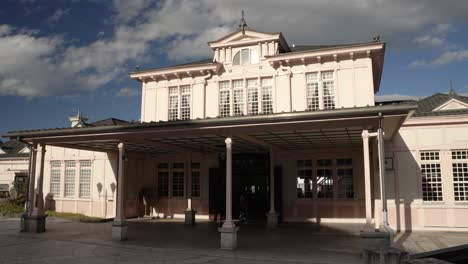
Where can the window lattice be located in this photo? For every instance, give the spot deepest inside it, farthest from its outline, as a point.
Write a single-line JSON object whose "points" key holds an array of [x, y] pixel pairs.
{"points": [[224, 99], [55, 175], [324, 179], [70, 172], [177, 183], [431, 182], [345, 182], [85, 179], [430, 155], [173, 103], [195, 179], [163, 183], [328, 90], [312, 92], [185, 102], [304, 179], [460, 174], [238, 96], [267, 96], [252, 96]]}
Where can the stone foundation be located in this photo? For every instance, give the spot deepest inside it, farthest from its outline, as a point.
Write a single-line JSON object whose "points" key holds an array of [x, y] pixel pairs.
{"points": [[272, 220], [119, 231], [190, 217], [228, 237], [34, 223]]}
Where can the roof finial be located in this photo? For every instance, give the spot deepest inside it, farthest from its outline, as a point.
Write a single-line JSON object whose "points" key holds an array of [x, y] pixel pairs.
{"points": [[243, 23], [452, 92]]}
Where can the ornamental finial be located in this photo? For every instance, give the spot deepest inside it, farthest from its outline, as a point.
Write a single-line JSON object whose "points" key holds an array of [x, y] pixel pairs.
{"points": [[243, 23]]}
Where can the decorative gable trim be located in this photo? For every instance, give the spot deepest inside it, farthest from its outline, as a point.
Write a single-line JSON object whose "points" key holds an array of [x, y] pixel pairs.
{"points": [[24, 150], [249, 37], [452, 104]]}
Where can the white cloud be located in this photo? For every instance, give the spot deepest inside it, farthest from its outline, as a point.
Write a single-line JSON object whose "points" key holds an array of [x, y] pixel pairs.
{"points": [[57, 15], [429, 41], [445, 58], [5, 30], [128, 92]]}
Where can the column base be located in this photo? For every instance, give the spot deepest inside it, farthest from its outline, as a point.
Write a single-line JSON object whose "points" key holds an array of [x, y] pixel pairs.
{"points": [[228, 237], [119, 231], [272, 220], [375, 240], [368, 228], [33, 223], [190, 216]]}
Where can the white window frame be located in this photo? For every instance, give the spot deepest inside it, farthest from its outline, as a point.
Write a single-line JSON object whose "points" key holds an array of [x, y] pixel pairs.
{"points": [[57, 182], [241, 59], [320, 82], [460, 183], [428, 160], [67, 183], [82, 192], [179, 108]]}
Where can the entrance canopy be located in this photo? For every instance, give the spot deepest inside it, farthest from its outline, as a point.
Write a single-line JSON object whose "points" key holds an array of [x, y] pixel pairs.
{"points": [[281, 131]]}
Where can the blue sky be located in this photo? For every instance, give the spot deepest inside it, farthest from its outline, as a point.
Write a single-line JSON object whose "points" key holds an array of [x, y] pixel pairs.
{"points": [[60, 56]]}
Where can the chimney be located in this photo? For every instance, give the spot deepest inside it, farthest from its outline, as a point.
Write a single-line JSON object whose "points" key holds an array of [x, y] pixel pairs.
{"points": [[78, 120]]}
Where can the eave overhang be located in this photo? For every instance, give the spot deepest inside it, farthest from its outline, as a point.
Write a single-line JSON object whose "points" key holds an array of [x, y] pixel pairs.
{"points": [[175, 72]]}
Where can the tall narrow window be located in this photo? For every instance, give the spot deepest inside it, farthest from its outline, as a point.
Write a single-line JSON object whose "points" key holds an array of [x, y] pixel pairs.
{"points": [[238, 96], [328, 90], [312, 91], [224, 99], [178, 180], [196, 179], [460, 174], [344, 172], [173, 103], [431, 176], [55, 175], [324, 178], [163, 179], [70, 171], [304, 179], [85, 179], [267, 96], [185, 102], [252, 96]]}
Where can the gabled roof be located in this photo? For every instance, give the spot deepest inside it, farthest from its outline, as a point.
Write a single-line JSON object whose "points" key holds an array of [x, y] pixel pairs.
{"points": [[108, 122], [428, 106], [13, 148]]}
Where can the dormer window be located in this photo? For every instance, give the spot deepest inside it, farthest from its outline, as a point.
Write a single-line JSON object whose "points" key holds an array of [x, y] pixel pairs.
{"points": [[245, 56]]}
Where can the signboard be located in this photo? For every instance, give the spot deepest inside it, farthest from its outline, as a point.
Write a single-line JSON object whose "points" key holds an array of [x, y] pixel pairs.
{"points": [[388, 163]]}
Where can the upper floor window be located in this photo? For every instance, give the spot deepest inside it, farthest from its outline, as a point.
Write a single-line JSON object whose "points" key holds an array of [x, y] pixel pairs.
{"points": [[179, 102], [320, 92], [239, 97], [245, 56], [431, 176]]}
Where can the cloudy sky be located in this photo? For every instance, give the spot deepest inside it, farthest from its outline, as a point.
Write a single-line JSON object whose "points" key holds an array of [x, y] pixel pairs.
{"points": [[60, 56]]}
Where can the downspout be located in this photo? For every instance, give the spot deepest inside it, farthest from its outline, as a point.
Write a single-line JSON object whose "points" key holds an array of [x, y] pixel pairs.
{"points": [[205, 83], [382, 180]]}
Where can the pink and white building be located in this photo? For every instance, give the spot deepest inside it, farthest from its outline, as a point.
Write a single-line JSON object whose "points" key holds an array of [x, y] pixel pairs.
{"points": [[270, 131]]}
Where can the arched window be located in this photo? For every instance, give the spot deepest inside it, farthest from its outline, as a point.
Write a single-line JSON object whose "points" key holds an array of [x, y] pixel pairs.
{"points": [[245, 56]]}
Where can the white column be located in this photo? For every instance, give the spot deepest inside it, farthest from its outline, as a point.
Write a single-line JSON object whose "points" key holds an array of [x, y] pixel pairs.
{"points": [[368, 227], [272, 182], [228, 223], [120, 214], [32, 178], [40, 182]]}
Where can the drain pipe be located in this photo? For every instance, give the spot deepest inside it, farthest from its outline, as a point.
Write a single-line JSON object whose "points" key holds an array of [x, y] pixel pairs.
{"points": [[382, 180]]}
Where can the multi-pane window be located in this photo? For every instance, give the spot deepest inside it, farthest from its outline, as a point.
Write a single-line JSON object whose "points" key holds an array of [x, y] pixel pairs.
{"points": [[179, 102], [55, 174], [312, 91], [245, 56], [344, 172], [173, 103], [252, 96], [224, 99], [267, 95], [196, 179], [328, 90], [163, 179], [70, 172], [431, 176], [304, 179], [320, 92], [178, 179], [85, 178], [460, 174], [324, 178], [238, 97]]}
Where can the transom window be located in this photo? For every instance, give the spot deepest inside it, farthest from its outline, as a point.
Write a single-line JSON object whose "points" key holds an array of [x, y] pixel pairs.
{"points": [[320, 92], [245, 96], [179, 102], [245, 56], [431, 176], [460, 174]]}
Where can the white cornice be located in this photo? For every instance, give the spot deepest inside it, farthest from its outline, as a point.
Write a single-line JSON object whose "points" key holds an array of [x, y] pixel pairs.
{"points": [[176, 71]]}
